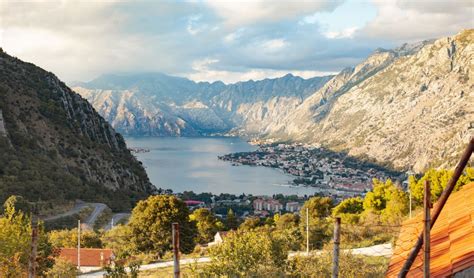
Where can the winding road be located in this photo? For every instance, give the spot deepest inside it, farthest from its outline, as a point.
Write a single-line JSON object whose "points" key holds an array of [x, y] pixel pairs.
{"points": [[98, 209]]}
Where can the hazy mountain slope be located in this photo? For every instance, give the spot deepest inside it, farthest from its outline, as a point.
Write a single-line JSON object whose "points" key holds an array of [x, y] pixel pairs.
{"points": [[58, 146], [161, 105], [411, 106], [414, 111]]}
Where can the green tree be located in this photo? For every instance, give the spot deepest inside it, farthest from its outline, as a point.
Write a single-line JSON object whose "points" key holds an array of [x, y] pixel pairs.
{"points": [[387, 201], [15, 239], [438, 182], [18, 204], [207, 225], [349, 210], [287, 230], [119, 239], [376, 200], [62, 269], [287, 221], [250, 223], [68, 238], [319, 209], [397, 206], [253, 253], [151, 224], [231, 221]]}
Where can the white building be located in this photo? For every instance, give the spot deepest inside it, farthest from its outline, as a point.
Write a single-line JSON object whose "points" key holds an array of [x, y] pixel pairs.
{"points": [[293, 206]]}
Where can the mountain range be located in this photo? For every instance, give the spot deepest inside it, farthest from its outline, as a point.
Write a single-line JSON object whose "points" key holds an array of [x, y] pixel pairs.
{"points": [[410, 107], [155, 104]]}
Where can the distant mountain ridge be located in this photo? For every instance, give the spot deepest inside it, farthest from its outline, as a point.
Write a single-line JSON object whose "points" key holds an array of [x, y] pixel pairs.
{"points": [[410, 107], [154, 104]]}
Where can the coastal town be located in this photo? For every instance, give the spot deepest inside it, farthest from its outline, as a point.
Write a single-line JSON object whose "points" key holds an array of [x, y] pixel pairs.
{"points": [[330, 173], [244, 205]]}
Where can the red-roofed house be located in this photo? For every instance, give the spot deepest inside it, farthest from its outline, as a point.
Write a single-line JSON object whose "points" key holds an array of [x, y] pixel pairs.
{"points": [[452, 240], [91, 258]]}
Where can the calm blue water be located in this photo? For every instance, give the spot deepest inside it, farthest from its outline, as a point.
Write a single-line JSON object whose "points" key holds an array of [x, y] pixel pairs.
{"points": [[191, 164]]}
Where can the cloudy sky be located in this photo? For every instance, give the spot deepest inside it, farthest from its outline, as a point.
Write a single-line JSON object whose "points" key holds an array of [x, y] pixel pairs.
{"points": [[212, 40]]}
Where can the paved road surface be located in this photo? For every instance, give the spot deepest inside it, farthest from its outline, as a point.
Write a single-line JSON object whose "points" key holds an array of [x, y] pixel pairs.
{"points": [[116, 217], [155, 265], [98, 209], [76, 209]]}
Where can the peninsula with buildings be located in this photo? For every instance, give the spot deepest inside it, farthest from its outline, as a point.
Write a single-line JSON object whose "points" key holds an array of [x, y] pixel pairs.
{"points": [[330, 173]]}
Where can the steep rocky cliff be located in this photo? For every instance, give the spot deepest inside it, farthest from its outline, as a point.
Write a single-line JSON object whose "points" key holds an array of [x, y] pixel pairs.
{"points": [[412, 107], [57, 146], [159, 105]]}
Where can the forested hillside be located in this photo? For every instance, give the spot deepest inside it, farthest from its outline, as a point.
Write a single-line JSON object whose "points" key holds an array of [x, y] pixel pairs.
{"points": [[56, 147]]}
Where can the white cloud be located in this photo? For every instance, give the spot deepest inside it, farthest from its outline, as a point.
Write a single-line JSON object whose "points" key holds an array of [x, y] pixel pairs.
{"points": [[193, 25], [405, 21], [79, 40], [274, 45], [238, 13], [309, 19], [344, 34], [203, 72], [232, 37]]}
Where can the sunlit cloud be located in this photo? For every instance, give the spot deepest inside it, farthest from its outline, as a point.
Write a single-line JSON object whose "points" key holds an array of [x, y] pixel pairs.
{"points": [[203, 71], [346, 33], [217, 40]]}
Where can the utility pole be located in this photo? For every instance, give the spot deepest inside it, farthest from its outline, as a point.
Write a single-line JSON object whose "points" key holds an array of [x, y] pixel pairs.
{"points": [[175, 234], [409, 192], [34, 246], [427, 228], [307, 231], [335, 257], [78, 244], [409, 173]]}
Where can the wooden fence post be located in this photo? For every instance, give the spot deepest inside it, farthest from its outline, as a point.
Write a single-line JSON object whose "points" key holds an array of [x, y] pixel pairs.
{"points": [[33, 248], [175, 232], [427, 228], [335, 257]]}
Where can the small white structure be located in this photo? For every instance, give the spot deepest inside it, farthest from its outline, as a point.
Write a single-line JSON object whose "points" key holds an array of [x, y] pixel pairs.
{"points": [[218, 238]]}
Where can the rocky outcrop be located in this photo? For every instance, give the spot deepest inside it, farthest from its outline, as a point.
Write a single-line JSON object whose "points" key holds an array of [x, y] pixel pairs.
{"points": [[413, 108]]}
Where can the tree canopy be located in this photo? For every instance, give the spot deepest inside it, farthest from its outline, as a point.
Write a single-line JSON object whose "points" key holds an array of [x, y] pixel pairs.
{"points": [[253, 253], [231, 221], [438, 182], [319, 209], [151, 221], [207, 225], [15, 239]]}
